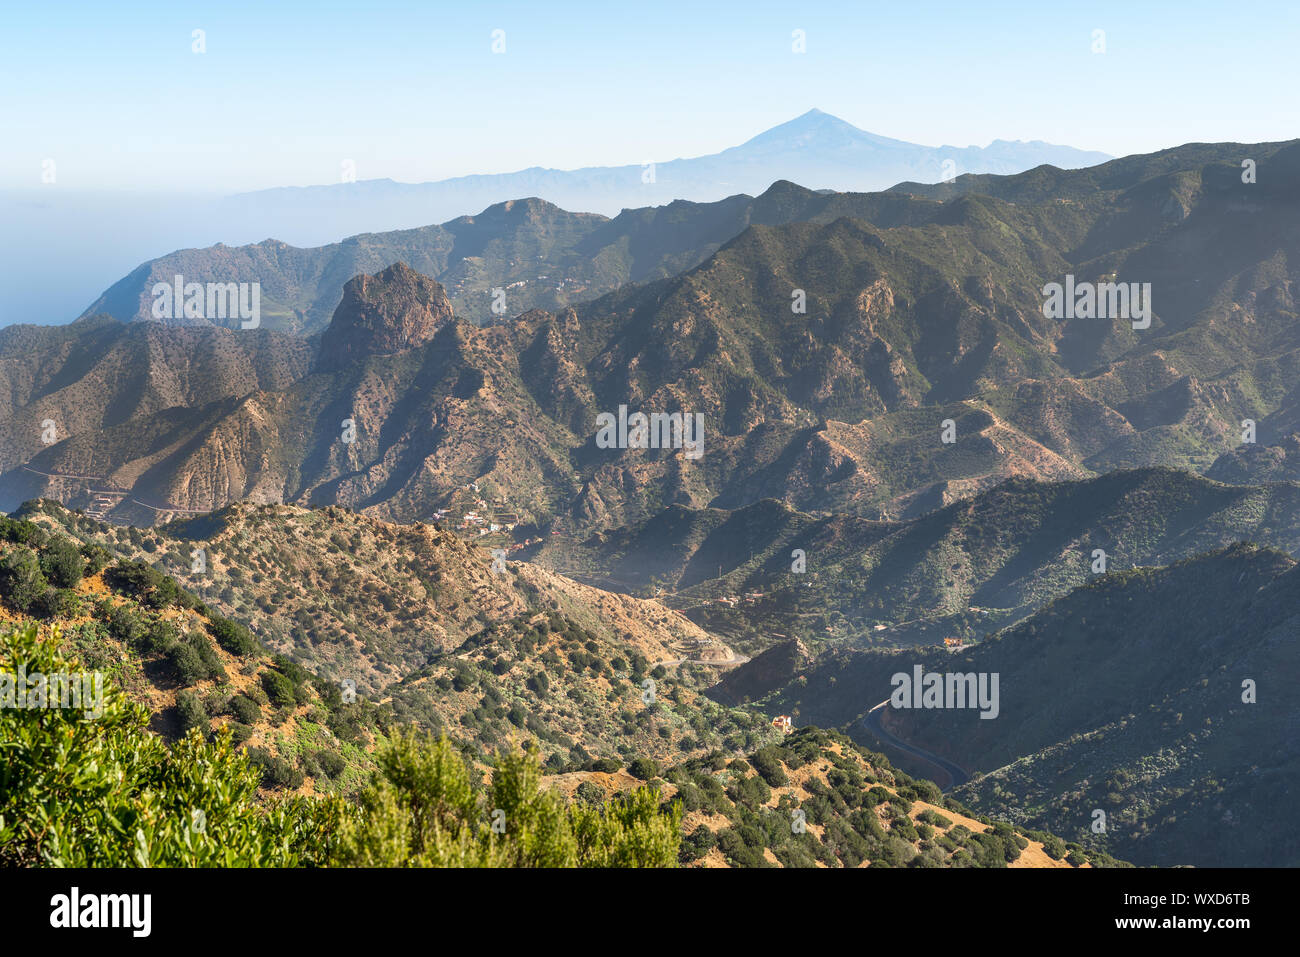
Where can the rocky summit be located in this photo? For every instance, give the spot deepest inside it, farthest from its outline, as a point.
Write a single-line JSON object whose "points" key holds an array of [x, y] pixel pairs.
{"points": [[392, 311]]}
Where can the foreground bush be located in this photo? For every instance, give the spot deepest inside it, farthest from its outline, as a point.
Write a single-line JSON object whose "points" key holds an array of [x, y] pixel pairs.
{"points": [[421, 809], [101, 790], [84, 791]]}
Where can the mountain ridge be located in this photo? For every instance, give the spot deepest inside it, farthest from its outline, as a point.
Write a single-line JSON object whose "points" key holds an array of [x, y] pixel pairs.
{"points": [[1164, 745], [816, 147]]}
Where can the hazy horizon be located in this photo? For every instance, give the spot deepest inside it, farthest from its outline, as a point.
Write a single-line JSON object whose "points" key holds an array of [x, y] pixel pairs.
{"points": [[281, 96], [125, 152], [60, 262]]}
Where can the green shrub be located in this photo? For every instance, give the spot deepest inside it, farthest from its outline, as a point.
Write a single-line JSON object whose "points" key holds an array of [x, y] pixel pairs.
{"points": [[191, 713], [57, 603], [539, 684], [21, 581], [295, 672], [97, 558], [124, 623], [21, 531], [750, 792], [239, 733], [422, 810], [734, 848], [62, 564], [186, 663], [231, 636], [876, 795], [245, 709], [330, 762], [935, 818], [589, 792], [276, 771], [698, 843], [902, 803], [767, 761], [151, 637], [279, 689], [207, 654], [1053, 846], [150, 586], [643, 768]]}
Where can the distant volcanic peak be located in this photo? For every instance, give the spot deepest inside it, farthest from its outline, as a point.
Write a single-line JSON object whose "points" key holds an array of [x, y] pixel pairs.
{"points": [[391, 311]]}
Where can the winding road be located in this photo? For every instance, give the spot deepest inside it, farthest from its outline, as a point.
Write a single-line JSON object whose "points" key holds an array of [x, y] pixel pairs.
{"points": [[956, 775]]}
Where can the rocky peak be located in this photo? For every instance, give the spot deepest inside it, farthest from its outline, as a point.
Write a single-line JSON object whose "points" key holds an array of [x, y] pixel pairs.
{"points": [[392, 311]]}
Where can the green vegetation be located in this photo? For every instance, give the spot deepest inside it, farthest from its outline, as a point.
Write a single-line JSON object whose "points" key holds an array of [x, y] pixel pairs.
{"points": [[422, 810], [1168, 736], [106, 792], [853, 808]]}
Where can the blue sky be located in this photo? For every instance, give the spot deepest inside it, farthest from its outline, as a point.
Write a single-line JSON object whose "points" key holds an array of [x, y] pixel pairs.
{"points": [[286, 91]]}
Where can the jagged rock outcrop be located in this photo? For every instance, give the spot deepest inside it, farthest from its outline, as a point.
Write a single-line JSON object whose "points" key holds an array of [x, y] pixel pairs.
{"points": [[392, 311]]}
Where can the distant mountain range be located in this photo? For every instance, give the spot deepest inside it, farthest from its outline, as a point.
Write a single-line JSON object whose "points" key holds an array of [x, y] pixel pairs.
{"points": [[919, 310], [540, 256], [56, 260], [816, 149], [544, 256]]}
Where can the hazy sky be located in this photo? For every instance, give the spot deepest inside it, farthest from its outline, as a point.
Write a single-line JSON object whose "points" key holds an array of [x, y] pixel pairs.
{"points": [[287, 91]]}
